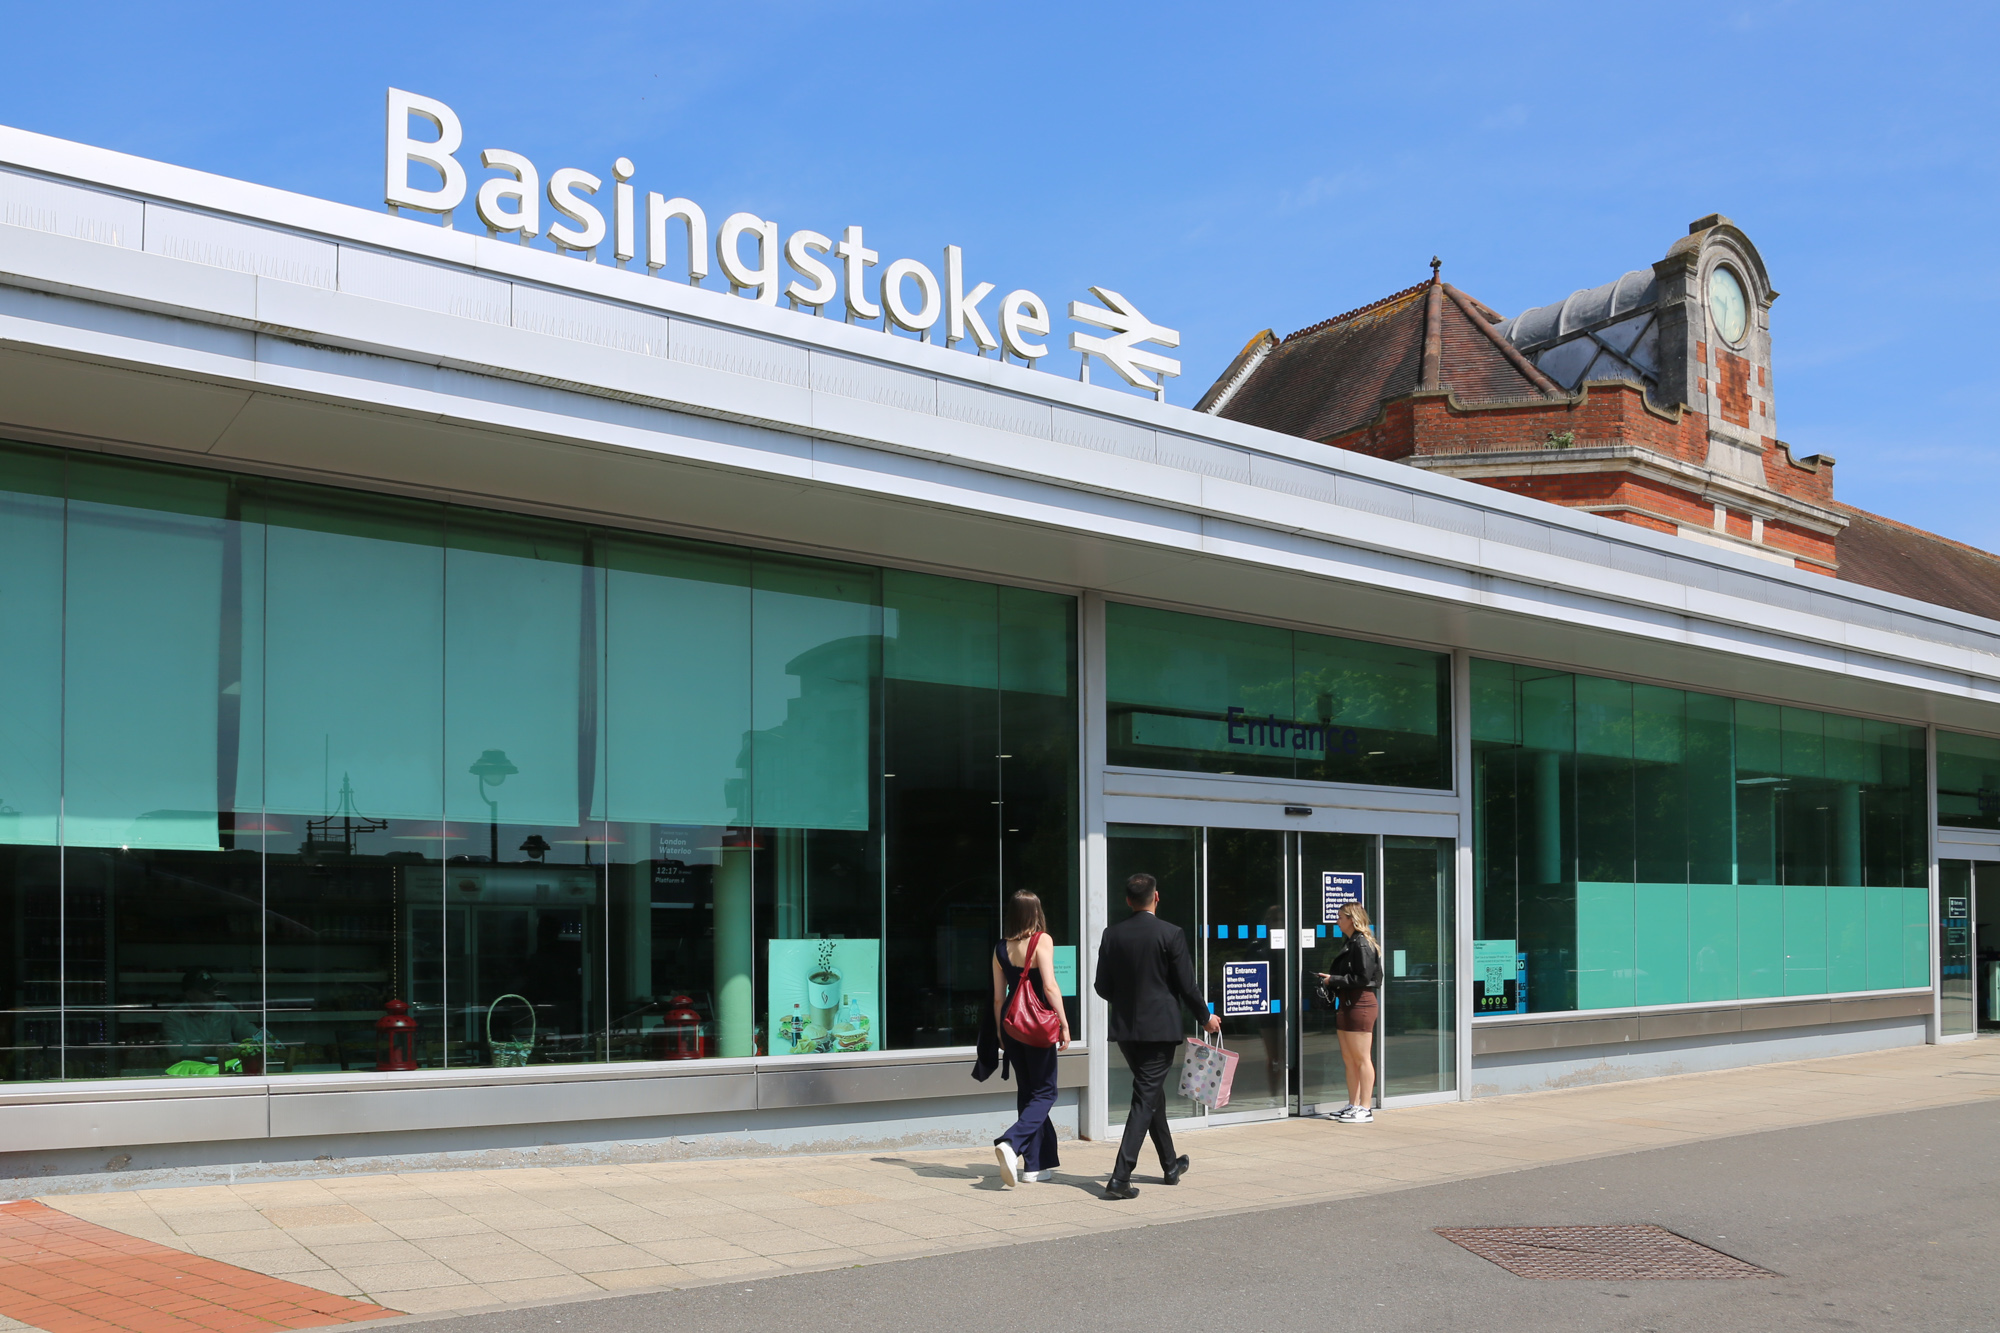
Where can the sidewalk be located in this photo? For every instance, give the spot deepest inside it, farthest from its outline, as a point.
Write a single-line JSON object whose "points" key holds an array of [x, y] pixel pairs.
{"points": [[455, 1241]]}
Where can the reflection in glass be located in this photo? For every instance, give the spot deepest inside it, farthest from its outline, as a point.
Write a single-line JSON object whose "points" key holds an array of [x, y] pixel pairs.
{"points": [[1219, 696], [1957, 1003], [1322, 1079], [1172, 856], [1968, 781], [1419, 979], [1646, 846], [564, 793]]}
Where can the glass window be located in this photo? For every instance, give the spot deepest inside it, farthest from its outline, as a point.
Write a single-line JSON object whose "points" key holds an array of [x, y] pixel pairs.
{"points": [[351, 827], [1968, 781], [287, 761], [1641, 845], [1220, 696]]}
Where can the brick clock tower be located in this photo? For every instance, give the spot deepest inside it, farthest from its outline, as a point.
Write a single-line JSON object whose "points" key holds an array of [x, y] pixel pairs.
{"points": [[1715, 329], [1647, 400]]}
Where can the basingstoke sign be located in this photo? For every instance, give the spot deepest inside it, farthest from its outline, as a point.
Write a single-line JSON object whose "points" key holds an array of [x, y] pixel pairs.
{"points": [[510, 204]]}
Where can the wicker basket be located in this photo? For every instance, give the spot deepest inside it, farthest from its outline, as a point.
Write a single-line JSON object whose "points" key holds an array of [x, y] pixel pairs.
{"points": [[510, 1054]]}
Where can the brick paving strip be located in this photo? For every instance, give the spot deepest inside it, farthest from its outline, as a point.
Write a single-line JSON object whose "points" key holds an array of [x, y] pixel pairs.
{"points": [[437, 1241], [61, 1273]]}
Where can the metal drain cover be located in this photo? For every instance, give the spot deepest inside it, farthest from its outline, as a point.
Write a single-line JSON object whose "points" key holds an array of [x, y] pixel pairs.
{"points": [[1599, 1254]]}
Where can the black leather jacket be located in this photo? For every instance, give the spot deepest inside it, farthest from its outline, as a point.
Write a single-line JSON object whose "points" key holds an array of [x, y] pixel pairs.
{"points": [[1356, 968]]}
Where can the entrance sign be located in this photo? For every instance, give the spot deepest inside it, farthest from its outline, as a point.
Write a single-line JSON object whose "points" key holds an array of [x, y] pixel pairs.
{"points": [[510, 205], [1246, 989], [1338, 888]]}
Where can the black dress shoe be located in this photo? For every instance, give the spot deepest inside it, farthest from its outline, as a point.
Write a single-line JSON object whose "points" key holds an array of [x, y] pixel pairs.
{"points": [[1121, 1189], [1179, 1169]]}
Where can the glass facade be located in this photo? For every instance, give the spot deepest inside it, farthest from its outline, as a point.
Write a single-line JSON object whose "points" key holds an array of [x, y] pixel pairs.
{"points": [[1220, 696], [277, 755], [1968, 781], [1635, 845]]}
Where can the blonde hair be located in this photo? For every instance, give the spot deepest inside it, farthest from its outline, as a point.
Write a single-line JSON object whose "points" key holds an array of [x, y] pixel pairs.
{"points": [[1358, 916]]}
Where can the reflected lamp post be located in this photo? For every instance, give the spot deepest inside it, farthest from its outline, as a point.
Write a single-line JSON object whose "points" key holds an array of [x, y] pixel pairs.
{"points": [[492, 769]]}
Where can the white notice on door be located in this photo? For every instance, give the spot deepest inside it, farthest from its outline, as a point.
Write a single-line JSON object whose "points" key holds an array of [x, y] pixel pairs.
{"points": [[1277, 937]]}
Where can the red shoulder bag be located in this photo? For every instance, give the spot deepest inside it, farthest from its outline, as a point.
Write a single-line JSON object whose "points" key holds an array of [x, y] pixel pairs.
{"points": [[1027, 1017]]}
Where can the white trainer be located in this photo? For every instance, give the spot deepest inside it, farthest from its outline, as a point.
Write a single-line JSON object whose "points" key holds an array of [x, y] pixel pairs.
{"points": [[1356, 1115], [1010, 1164], [1031, 1177]]}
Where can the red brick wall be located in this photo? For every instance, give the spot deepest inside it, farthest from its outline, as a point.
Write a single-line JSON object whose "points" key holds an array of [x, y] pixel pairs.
{"points": [[1427, 424], [1732, 392], [1786, 475]]}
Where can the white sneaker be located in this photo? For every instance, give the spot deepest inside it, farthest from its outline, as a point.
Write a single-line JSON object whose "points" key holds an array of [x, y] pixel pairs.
{"points": [[1356, 1115], [1010, 1164], [1031, 1177]]}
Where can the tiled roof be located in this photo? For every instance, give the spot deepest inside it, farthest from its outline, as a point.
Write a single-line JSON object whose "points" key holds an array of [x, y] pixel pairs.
{"points": [[1333, 377], [1896, 557]]}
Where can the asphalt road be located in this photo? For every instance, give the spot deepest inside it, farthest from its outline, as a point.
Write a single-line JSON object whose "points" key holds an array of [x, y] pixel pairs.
{"points": [[1887, 1224]]}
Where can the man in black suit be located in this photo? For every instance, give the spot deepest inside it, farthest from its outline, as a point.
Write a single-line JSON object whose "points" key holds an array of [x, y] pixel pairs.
{"points": [[1145, 972]]}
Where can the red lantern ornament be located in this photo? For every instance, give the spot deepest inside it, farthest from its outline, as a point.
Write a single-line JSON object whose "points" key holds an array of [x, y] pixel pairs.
{"points": [[681, 1034], [396, 1037]]}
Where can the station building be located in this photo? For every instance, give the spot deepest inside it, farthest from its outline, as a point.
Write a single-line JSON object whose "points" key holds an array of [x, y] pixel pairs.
{"points": [[465, 703]]}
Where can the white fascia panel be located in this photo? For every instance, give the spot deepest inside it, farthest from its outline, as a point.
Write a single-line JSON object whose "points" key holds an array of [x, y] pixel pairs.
{"points": [[110, 275], [444, 288], [870, 382], [243, 247], [69, 210]]}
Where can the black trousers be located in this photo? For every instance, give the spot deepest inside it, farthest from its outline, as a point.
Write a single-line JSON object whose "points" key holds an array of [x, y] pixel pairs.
{"points": [[1149, 1062]]}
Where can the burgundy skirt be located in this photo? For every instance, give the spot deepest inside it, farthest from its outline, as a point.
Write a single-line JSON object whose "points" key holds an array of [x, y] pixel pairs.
{"points": [[1357, 1015]]}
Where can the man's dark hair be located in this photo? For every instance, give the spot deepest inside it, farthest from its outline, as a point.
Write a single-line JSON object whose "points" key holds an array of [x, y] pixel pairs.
{"points": [[1141, 889]]}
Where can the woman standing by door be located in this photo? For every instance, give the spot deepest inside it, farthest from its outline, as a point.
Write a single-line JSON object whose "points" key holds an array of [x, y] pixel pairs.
{"points": [[1356, 974], [1027, 957]]}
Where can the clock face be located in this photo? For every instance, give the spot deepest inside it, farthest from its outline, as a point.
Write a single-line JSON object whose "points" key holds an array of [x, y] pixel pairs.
{"points": [[1726, 305]]}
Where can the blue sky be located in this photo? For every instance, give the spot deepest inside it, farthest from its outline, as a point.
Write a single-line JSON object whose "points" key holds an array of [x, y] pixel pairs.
{"points": [[1228, 167]]}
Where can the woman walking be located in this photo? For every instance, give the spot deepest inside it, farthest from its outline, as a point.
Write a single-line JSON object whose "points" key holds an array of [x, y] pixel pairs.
{"points": [[1355, 975], [1026, 957]]}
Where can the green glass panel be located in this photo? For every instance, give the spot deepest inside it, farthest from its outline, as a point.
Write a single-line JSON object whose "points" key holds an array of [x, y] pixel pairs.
{"points": [[677, 682], [143, 670], [1604, 811], [1968, 781], [1197, 693], [1885, 938], [1711, 793], [1712, 940], [1038, 733], [1759, 739], [1661, 925], [1495, 716], [1804, 742], [940, 631], [520, 728], [1037, 643], [1958, 999], [353, 653], [1916, 936], [31, 598], [1375, 713], [815, 657], [1846, 938], [1851, 753], [1605, 954], [1805, 939], [1760, 941], [1218, 696]]}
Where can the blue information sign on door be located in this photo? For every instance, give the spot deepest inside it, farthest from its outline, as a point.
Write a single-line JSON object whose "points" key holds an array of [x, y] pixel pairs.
{"points": [[1246, 989], [1337, 888]]}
